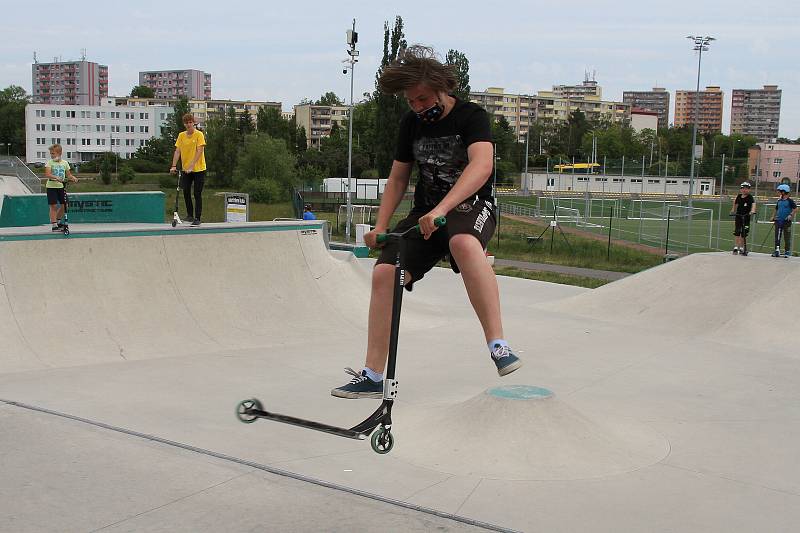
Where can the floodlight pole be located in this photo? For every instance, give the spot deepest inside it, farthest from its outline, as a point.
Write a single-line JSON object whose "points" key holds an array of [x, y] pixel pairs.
{"points": [[352, 39], [701, 44]]}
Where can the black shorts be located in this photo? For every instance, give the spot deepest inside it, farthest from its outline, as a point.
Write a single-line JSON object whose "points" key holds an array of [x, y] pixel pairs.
{"points": [[742, 225], [56, 196], [475, 216]]}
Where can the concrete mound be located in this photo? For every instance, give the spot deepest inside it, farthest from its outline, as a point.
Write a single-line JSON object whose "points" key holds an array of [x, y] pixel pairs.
{"points": [[717, 295], [526, 433]]}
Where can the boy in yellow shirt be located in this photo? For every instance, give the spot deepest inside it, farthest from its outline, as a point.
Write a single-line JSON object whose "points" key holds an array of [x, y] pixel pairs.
{"points": [[190, 147], [57, 171]]}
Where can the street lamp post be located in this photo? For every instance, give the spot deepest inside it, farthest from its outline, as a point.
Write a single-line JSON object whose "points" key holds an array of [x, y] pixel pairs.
{"points": [[525, 180], [352, 39], [701, 44]]}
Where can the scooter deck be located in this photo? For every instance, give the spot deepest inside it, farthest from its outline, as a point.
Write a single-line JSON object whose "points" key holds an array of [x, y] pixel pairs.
{"points": [[309, 424]]}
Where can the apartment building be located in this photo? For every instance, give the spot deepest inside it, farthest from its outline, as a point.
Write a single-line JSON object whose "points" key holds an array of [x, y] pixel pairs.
{"points": [[656, 101], [203, 110], [85, 132], [587, 88], [518, 109], [552, 108], [168, 84], [709, 119], [521, 111], [318, 121], [775, 162], [756, 112], [69, 82]]}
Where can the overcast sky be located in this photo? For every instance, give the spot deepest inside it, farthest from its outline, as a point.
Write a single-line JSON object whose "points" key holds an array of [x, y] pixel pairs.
{"points": [[288, 51]]}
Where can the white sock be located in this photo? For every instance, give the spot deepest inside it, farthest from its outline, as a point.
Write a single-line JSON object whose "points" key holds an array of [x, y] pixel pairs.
{"points": [[495, 342], [374, 376]]}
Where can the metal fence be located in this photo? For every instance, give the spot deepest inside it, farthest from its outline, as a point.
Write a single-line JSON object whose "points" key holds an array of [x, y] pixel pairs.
{"points": [[665, 223], [13, 166]]}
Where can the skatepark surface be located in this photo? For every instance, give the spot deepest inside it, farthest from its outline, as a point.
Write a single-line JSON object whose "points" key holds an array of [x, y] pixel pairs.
{"points": [[666, 401]]}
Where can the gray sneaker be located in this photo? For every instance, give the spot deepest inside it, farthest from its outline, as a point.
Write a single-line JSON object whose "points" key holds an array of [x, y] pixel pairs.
{"points": [[196, 222], [359, 387], [505, 360]]}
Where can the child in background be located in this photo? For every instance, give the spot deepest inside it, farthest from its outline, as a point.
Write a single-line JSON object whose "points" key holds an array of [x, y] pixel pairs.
{"points": [[57, 171], [785, 210]]}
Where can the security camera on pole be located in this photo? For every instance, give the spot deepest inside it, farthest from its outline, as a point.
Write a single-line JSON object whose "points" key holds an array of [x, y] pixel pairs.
{"points": [[352, 39]]}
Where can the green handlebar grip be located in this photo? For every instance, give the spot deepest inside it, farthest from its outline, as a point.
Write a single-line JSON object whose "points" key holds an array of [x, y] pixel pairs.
{"points": [[438, 222]]}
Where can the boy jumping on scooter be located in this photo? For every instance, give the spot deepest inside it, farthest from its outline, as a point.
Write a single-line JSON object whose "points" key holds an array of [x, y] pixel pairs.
{"points": [[450, 142], [785, 210]]}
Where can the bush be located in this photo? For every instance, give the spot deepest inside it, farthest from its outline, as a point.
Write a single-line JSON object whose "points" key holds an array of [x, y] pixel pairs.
{"points": [[144, 166], [262, 191], [126, 174], [167, 181], [91, 166]]}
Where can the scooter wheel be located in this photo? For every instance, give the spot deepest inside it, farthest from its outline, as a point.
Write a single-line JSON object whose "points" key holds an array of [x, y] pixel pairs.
{"points": [[382, 441], [243, 410], [66, 231], [174, 222]]}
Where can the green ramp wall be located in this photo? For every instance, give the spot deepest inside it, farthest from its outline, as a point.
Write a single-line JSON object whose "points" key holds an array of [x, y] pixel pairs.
{"points": [[32, 209]]}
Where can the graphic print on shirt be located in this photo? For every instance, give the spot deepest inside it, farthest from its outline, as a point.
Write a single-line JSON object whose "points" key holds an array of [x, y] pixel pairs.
{"points": [[441, 161]]}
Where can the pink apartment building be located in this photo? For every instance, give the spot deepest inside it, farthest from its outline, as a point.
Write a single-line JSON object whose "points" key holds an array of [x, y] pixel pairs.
{"points": [[775, 162]]}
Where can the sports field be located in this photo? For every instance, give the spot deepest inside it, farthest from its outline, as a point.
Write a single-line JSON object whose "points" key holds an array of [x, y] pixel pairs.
{"points": [[664, 223]]}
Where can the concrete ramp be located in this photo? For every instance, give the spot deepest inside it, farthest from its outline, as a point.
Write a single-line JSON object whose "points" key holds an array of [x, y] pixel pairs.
{"points": [[105, 297], [11, 185], [749, 300]]}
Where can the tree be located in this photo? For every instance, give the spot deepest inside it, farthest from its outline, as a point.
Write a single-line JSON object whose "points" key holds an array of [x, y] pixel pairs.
{"points": [[461, 64], [13, 100], [246, 125], [329, 98], [301, 141], [389, 108], [504, 138], [272, 123], [265, 169], [222, 147], [142, 91], [106, 164], [160, 149], [126, 174]]}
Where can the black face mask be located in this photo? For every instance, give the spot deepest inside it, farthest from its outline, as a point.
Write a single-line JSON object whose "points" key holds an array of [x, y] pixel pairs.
{"points": [[432, 114]]}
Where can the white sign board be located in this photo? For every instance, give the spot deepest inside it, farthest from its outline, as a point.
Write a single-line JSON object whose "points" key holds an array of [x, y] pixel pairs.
{"points": [[236, 207]]}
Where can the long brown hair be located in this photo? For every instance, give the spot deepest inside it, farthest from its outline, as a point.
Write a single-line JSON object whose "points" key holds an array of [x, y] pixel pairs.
{"points": [[416, 65]]}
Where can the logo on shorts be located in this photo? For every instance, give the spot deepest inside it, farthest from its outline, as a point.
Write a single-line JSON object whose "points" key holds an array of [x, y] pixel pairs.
{"points": [[482, 219], [464, 207]]}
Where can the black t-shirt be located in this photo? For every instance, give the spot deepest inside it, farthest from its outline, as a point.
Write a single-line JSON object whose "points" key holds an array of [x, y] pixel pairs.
{"points": [[440, 150], [744, 204]]}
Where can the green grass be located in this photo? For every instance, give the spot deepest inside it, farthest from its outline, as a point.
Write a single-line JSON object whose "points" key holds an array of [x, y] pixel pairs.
{"points": [[551, 277], [580, 252]]}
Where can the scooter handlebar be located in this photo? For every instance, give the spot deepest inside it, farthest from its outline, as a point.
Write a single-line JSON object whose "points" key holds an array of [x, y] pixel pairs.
{"points": [[384, 237]]}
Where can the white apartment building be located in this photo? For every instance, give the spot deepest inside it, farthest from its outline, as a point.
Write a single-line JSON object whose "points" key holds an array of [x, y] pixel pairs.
{"points": [[85, 132]]}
